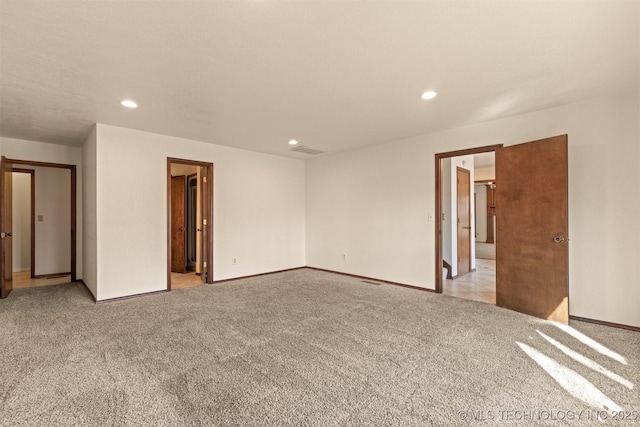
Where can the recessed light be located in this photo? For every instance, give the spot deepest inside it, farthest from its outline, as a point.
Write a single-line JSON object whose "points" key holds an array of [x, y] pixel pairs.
{"points": [[129, 103], [293, 142], [428, 95]]}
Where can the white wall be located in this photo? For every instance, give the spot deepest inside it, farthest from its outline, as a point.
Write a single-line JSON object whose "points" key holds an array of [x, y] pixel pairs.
{"points": [[373, 203], [53, 233], [258, 212], [19, 149], [21, 227], [90, 213], [484, 174]]}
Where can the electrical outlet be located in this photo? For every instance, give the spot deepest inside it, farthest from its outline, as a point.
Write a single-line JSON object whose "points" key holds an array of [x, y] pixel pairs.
{"points": [[344, 257], [234, 261]]}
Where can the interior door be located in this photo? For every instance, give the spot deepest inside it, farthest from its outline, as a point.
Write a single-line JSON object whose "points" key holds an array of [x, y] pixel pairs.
{"points": [[6, 229], [178, 226], [464, 221], [532, 253]]}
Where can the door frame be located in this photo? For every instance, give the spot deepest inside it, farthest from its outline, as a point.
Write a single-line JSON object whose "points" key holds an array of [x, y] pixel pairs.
{"points": [[439, 157], [32, 256], [207, 214], [73, 219]]}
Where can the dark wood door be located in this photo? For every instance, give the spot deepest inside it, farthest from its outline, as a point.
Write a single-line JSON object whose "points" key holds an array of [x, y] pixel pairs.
{"points": [[464, 221], [178, 226], [532, 251], [6, 228]]}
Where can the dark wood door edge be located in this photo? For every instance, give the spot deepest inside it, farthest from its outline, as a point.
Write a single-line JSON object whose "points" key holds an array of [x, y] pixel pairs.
{"points": [[438, 205], [73, 219], [604, 323]]}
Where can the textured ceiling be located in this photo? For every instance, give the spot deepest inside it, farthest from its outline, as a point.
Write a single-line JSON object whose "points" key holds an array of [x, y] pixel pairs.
{"points": [[336, 75]]}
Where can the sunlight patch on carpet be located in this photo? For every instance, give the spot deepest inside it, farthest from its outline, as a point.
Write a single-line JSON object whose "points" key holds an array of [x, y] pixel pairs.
{"points": [[574, 383], [590, 342], [587, 362]]}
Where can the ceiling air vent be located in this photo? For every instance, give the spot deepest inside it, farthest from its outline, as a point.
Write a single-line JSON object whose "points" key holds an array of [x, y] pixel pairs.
{"points": [[306, 150]]}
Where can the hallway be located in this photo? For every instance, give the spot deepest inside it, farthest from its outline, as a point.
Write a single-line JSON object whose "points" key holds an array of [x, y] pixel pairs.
{"points": [[479, 285]]}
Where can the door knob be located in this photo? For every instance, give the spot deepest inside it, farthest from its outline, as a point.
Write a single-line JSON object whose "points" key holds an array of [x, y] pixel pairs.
{"points": [[558, 239], [181, 229], [467, 228]]}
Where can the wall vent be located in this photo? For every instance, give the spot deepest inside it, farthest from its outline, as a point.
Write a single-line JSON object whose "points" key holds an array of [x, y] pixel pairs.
{"points": [[307, 150]]}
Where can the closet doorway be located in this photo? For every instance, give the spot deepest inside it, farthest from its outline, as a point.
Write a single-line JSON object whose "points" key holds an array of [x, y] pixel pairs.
{"points": [[190, 223]]}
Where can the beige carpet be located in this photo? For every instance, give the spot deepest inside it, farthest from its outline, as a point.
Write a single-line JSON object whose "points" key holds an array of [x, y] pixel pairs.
{"points": [[303, 348]]}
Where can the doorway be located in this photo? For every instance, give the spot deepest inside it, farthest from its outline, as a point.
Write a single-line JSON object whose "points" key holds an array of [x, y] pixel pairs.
{"points": [[190, 223], [470, 272], [38, 216], [531, 207]]}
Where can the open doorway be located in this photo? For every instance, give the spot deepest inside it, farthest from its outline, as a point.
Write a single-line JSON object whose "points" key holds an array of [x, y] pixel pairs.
{"points": [[464, 269], [189, 218], [39, 215]]}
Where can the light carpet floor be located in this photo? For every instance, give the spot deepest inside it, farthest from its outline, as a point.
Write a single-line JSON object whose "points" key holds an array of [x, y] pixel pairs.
{"points": [[303, 348]]}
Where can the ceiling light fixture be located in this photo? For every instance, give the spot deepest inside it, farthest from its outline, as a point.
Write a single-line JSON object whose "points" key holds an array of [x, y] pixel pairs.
{"points": [[293, 142], [428, 95], [129, 103]]}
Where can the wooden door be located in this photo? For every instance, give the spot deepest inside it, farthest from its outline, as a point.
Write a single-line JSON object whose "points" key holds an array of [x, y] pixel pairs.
{"points": [[6, 229], [464, 221], [532, 251], [178, 230]]}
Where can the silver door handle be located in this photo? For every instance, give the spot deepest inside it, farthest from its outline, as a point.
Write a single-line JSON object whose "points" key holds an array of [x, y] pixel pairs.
{"points": [[558, 239], [6, 234]]}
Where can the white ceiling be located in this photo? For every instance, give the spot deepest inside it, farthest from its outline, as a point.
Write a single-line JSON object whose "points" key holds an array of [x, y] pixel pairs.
{"points": [[336, 75]]}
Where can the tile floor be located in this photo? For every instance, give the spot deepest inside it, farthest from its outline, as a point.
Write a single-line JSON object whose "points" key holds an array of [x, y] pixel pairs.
{"points": [[479, 285]]}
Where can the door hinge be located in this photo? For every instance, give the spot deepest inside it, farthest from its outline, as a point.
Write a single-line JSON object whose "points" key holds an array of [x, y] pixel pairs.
{"points": [[204, 221], [204, 264], [204, 179]]}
